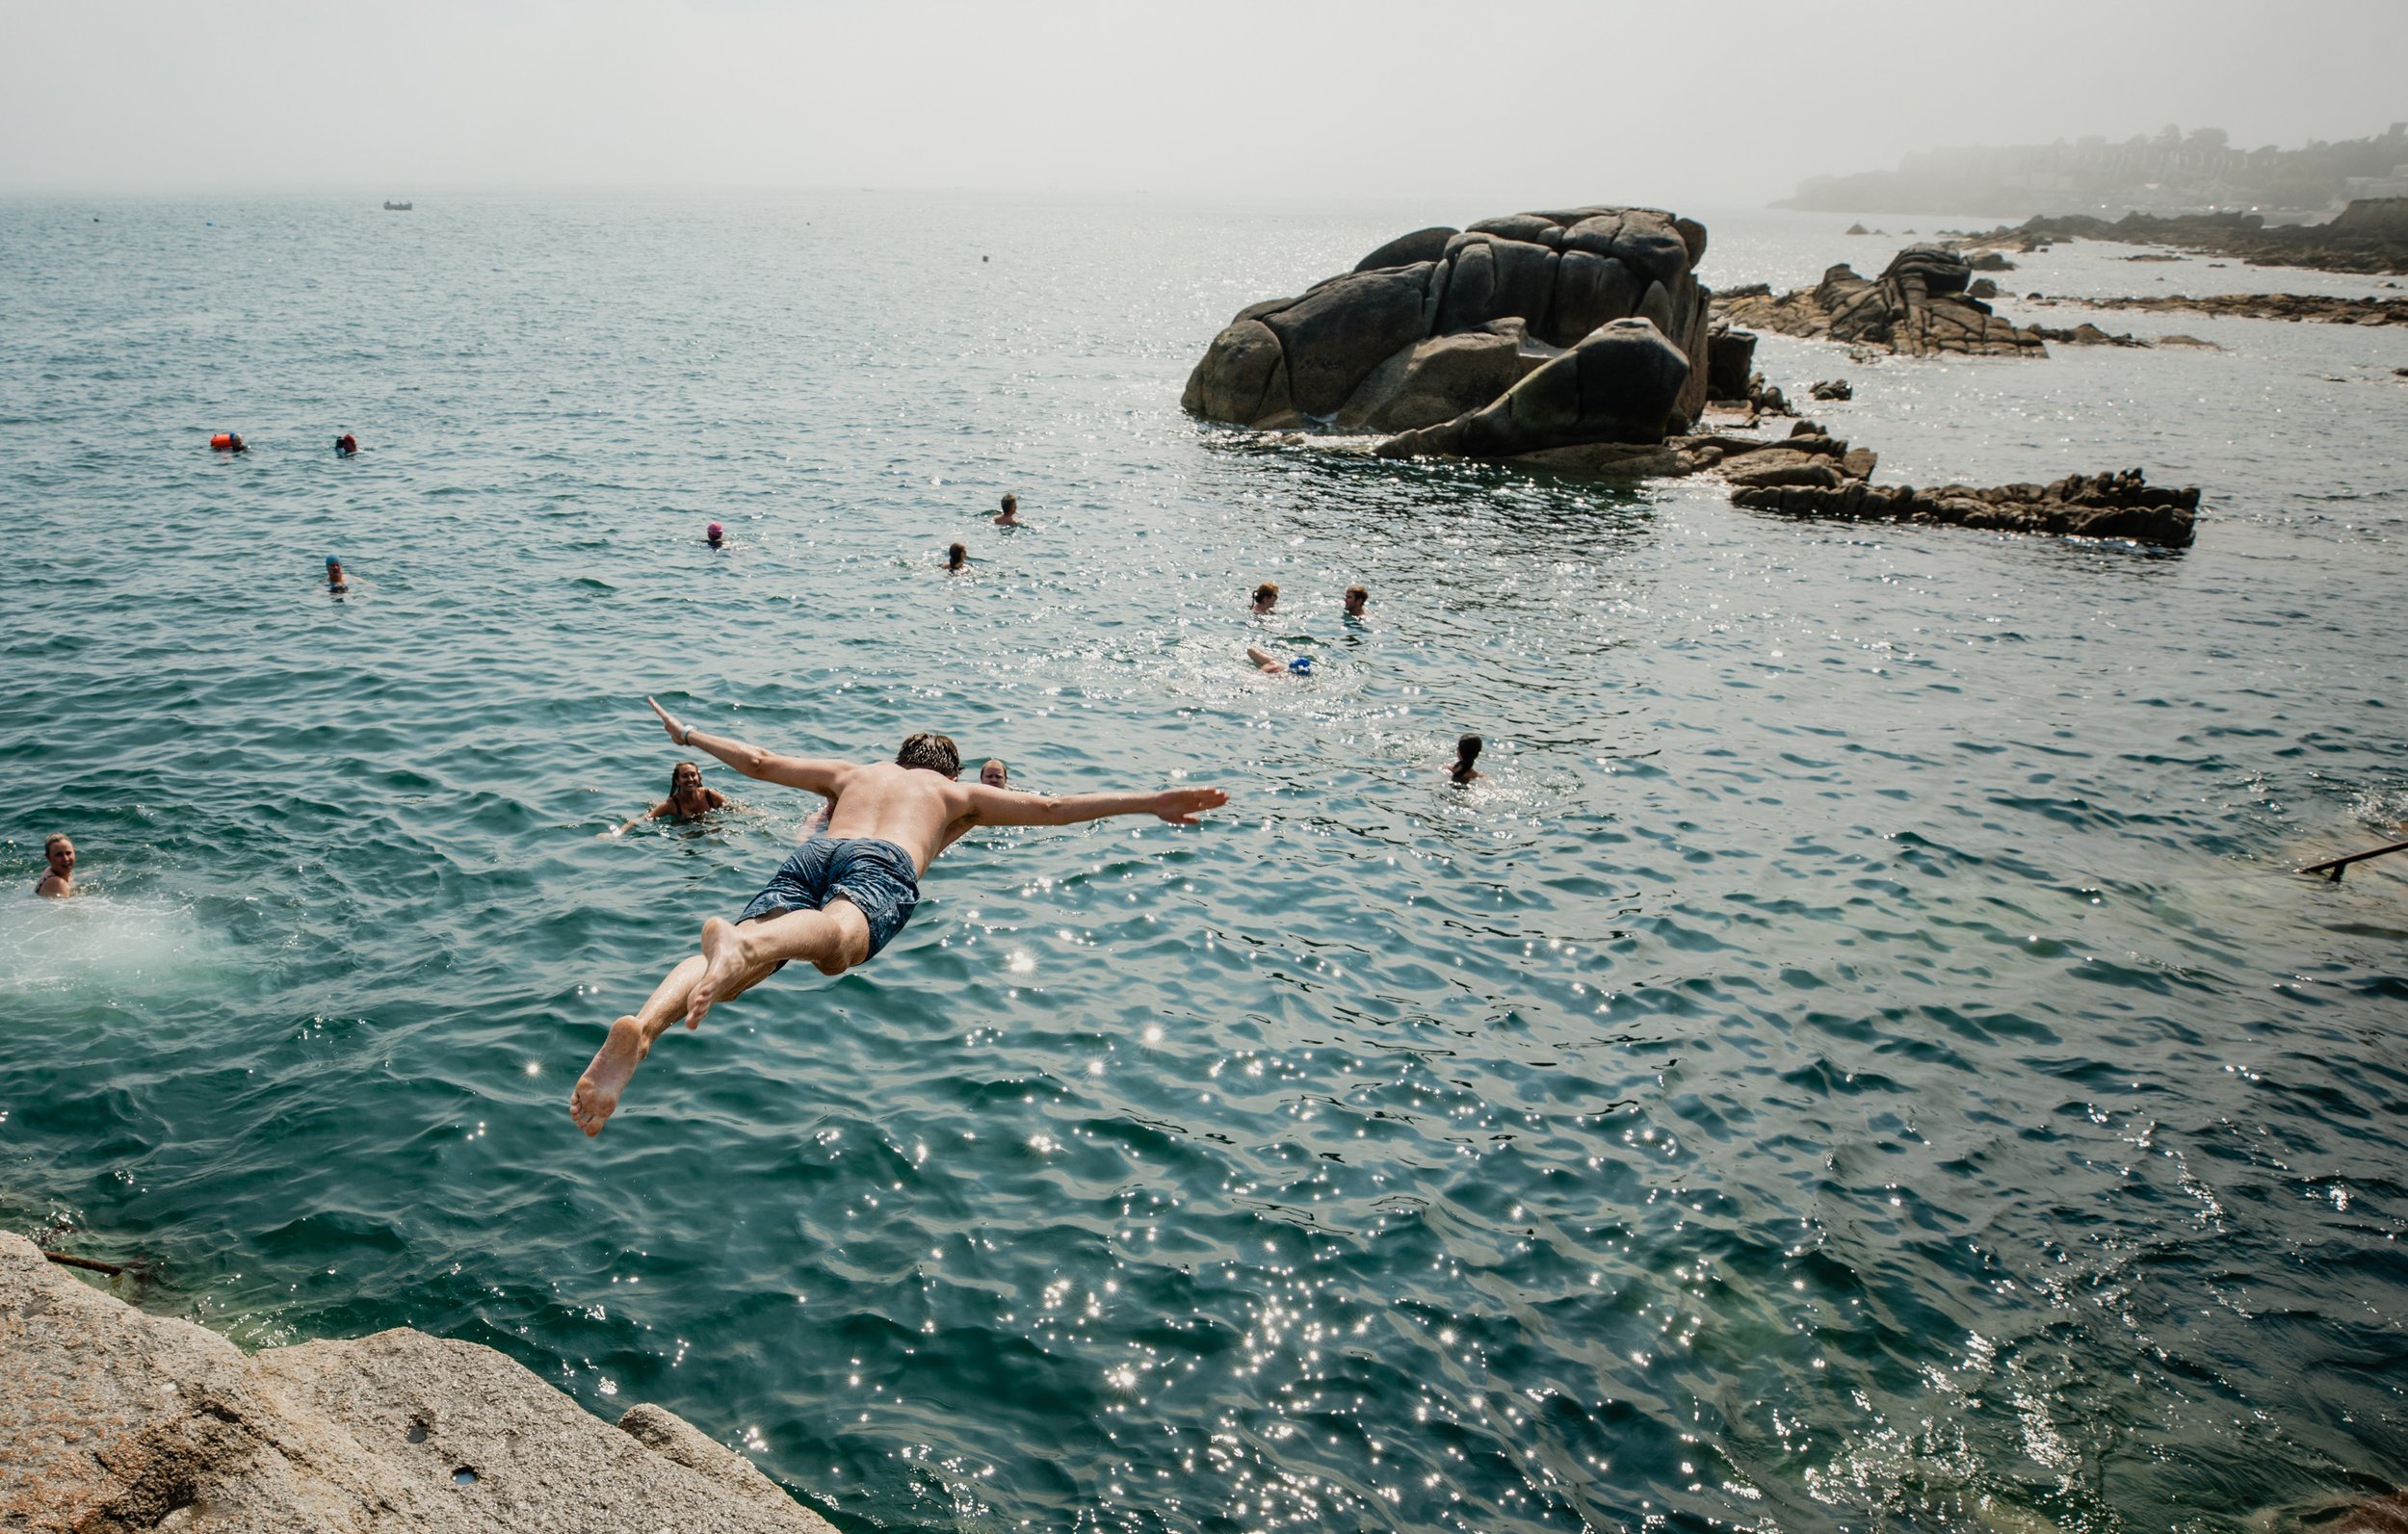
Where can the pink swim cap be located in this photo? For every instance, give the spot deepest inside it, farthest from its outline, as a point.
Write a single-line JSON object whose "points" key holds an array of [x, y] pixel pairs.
{"points": [[713, 527]]}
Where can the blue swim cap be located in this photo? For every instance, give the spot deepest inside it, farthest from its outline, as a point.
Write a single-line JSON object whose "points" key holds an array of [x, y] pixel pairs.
{"points": [[331, 559], [1301, 665]]}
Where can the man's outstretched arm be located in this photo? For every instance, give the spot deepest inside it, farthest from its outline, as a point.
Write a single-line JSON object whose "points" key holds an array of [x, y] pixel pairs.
{"points": [[1010, 807], [815, 773]]}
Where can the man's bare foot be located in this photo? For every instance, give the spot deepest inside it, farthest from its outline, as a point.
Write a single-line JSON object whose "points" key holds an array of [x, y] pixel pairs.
{"points": [[723, 958], [596, 1097]]}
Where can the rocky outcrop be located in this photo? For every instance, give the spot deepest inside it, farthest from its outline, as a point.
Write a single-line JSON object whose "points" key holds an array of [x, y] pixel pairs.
{"points": [[2120, 505], [2316, 307], [112, 1420], [1918, 306], [1517, 334], [2085, 334], [2371, 235]]}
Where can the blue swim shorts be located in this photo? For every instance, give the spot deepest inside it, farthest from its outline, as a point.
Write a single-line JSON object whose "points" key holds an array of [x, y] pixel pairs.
{"points": [[876, 875]]}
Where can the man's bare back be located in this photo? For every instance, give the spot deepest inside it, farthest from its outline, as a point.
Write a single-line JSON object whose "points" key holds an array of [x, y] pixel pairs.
{"points": [[839, 897]]}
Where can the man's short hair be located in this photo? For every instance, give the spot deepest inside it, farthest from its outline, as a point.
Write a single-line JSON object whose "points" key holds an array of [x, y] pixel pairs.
{"points": [[937, 753], [1354, 591], [1011, 500]]}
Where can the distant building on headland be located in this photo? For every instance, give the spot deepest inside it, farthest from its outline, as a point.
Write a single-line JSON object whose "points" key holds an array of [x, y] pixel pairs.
{"points": [[2173, 173]]}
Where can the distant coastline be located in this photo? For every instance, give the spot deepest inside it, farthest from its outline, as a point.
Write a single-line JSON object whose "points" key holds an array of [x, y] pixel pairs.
{"points": [[2170, 174]]}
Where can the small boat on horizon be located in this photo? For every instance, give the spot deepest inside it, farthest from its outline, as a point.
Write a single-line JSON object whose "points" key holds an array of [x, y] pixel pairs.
{"points": [[397, 207]]}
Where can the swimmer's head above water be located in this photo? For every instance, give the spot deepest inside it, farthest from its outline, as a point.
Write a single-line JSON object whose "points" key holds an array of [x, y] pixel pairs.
{"points": [[1265, 597], [685, 778], [1466, 752], [937, 753], [59, 853], [994, 774], [1357, 599], [335, 570], [958, 557], [714, 535]]}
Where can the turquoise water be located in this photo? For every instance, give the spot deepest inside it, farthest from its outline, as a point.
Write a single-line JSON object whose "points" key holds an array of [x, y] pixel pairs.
{"points": [[1857, 1062]]}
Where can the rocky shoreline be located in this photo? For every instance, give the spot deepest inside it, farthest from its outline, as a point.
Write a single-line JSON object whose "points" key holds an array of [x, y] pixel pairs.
{"points": [[1581, 341], [1920, 305], [112, 1419], [2312, 307], [2369, 236]]}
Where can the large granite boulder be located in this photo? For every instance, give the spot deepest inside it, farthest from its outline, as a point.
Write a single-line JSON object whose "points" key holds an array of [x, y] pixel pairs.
{"points": [[1455, 320], [1619, 385], [1918, 306], [112, 1420]]}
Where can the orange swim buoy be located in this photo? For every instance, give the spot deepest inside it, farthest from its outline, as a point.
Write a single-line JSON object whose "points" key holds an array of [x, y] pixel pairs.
{"points": [[224, 441]]}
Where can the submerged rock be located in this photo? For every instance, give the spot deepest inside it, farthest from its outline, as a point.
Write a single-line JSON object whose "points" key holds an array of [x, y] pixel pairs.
{"points": [[1918, 305], [1514, 335], [113, 1419]]}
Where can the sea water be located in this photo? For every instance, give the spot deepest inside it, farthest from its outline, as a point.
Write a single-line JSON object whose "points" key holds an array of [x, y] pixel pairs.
{"points": [[1858, 1059]]}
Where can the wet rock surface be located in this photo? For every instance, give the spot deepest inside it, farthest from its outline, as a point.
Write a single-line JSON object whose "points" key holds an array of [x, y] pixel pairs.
{"points": [[1516, 334], [114, 1420], [1919, 306]]}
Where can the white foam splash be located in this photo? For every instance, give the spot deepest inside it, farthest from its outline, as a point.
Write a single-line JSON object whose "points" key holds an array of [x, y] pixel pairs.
{"points": [[95, 940]]}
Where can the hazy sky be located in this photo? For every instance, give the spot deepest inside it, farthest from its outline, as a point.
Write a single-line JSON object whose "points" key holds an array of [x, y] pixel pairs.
{"points": [[1496, 104]]}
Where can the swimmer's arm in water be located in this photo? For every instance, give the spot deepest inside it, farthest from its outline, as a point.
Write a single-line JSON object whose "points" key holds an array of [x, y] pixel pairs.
{"points": [[819, 775], [1012, 807], [665, 807]]}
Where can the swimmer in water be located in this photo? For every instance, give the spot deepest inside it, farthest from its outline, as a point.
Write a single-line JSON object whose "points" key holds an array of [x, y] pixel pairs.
{"points": [[58, 882], [1270, 665], [1466, 752], [840, 898], [346, 445], [994, 774], [714, 535], [336, 581], [688, 799], [1010, 516], [1357, 600], [1266, 598], [956, 559]]}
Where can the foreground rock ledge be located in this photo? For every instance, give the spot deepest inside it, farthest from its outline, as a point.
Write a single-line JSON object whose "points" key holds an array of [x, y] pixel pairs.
{"points": [[114, 1420]]}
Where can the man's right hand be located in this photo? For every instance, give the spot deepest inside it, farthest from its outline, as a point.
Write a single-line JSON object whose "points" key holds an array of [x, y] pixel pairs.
{"points": [[1181, 806], [675, 726]]}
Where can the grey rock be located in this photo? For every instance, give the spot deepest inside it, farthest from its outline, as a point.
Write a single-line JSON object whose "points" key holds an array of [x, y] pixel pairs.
{"points": [[112, 1419], [1244, 378], [1349, 350], [1440, 379], [1590, 291], [1405, 251], [1334, 336], [1730, 360], [1622, 383]]}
